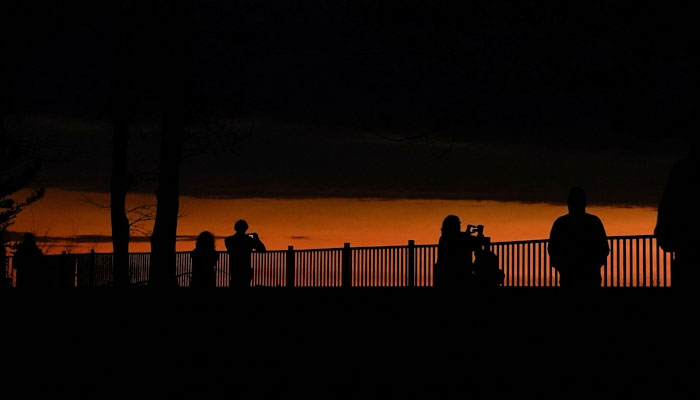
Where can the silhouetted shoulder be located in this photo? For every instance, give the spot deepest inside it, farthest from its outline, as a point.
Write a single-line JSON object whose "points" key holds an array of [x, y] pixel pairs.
{"points": [[561, 221], [593, 219], [228, 241]]}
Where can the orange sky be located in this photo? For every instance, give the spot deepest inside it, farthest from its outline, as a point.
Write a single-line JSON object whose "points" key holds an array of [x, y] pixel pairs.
{"points": [[320, 223]]}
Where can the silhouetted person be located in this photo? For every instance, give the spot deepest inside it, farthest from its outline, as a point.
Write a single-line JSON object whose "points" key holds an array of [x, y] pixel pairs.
{"points": [[677, 221], [454, 263], [239, 247], [28, 261], [204, 260], [67, 270], [578, 246]]}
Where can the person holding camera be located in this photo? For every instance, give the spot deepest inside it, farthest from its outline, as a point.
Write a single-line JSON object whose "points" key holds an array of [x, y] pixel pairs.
{"points": [[239, 246], [454, 266]]}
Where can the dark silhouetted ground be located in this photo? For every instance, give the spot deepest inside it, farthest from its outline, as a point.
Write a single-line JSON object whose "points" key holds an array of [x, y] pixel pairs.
{"points": [[350, 344]]}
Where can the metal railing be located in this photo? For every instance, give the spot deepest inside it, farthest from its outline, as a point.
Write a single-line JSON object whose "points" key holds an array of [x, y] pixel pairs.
{"points": [[634, 261]]}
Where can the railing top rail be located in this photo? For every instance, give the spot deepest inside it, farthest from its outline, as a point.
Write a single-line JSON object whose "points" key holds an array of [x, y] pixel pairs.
{"points": [[632, 237], [326, 249], [628, 237], [403, 246]]}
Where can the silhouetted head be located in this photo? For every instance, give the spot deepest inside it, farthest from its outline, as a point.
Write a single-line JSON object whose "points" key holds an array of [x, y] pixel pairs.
{"points": [[205, 241], [241, 226], [576, 201], [29, 238], [451, 224]]}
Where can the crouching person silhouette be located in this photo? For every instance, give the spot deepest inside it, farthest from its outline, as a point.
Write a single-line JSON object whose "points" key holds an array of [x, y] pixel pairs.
{"points": [[239, 247], [454, 267], [578, 246]]}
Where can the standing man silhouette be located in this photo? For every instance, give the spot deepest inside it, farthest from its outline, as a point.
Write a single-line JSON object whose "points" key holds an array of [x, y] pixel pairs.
{"points": [[677, 220], [578, 246], [239, 247]]}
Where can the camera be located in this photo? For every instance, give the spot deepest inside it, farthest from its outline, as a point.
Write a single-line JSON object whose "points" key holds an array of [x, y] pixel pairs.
{"points": [[478, 229], [252, 235]]}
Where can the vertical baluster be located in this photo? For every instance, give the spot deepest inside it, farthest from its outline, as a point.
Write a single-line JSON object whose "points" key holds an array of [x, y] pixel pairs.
{"points": [[426, 268], [392, 264], [543, 263], [327, 269], [380, 267], [384, 279], [362, 267], [519, 250], [313, 273], [314, 263], [658, 264], [664, 256], [375, 258], [365, 267], [635, 266], [389, 261], [624, 263], [269, 266], [328, 261], [310, 268], [644, 265], [617, 263], [530, 267], [383, 273], [509, 273], [516, 259], [538, 263]]}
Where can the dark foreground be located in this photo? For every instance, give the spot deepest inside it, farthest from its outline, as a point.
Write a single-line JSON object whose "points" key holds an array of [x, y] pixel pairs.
{"points": [[350, 344]]}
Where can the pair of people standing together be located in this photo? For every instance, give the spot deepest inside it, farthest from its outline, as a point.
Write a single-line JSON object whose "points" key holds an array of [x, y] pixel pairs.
{"points": [[238, 246]]}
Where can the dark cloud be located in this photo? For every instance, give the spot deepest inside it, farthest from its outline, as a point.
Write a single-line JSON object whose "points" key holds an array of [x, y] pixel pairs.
{"points": [[304, 161], [504, 100]]}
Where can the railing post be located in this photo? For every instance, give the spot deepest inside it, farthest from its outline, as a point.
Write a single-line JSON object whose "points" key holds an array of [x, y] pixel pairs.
{"points": [[411, 264], [290, 266], [91, 265], [346, 270]]}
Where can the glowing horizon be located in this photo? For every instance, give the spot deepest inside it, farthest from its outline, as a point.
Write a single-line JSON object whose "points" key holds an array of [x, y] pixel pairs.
{"points": [[317, 222]]}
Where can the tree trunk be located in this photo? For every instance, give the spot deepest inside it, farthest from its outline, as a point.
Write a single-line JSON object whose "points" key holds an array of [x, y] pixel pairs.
{"points": [[164, 235], [118, 189], [119, 182], [174, 72]]}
